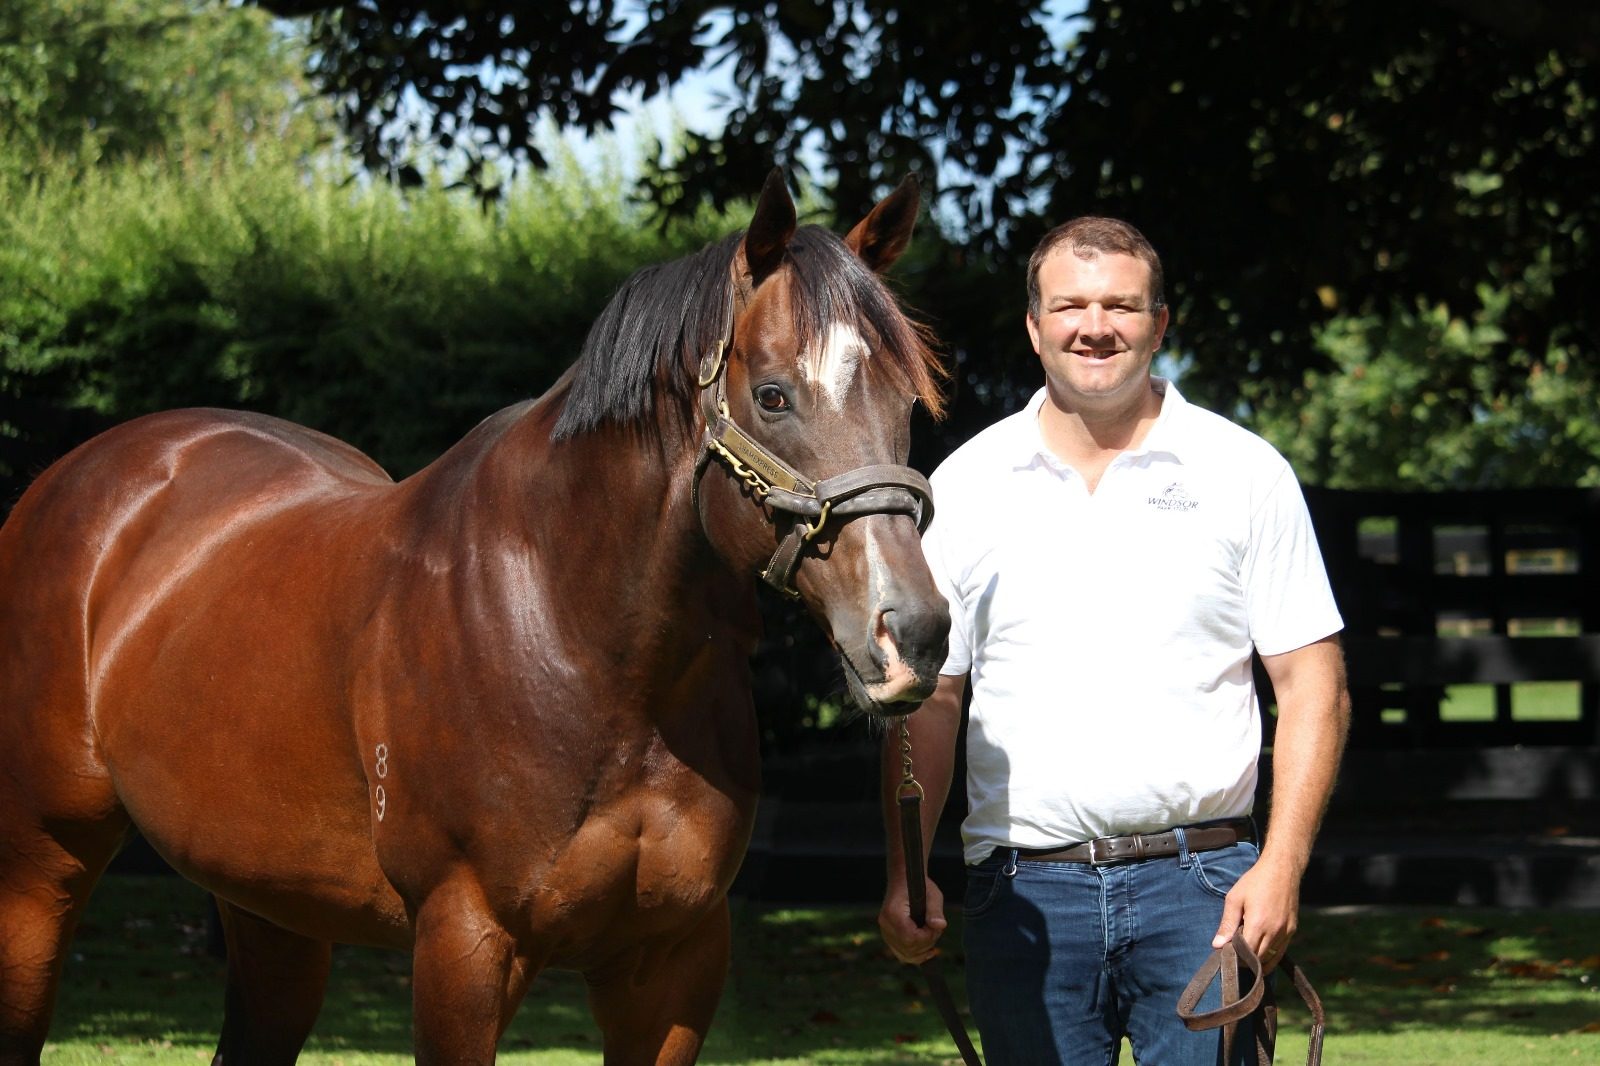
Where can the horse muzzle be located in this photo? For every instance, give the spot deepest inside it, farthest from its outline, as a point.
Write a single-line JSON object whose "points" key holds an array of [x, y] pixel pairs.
{"points": [[906, 645]]}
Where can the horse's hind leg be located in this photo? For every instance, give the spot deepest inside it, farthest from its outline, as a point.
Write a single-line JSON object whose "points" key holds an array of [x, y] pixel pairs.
{"points": [[660, 1012], [275, 984], [44, 884], [466, 980]]}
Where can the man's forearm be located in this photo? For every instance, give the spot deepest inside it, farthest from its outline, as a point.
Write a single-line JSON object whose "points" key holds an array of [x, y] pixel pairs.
{"points": [[1313, 715], [1313, 719]]}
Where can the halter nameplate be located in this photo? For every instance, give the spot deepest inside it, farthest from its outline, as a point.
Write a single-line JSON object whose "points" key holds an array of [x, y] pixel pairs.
{"points": [[774, 471]]}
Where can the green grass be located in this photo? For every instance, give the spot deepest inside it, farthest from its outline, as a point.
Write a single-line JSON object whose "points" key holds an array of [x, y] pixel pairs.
{"points": [[1531, 701], [813, 985]]}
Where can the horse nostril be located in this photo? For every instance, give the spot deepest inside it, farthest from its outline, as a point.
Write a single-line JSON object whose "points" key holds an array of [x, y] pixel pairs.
{"points": [[883, 648], [911, 634], [907, 646]]}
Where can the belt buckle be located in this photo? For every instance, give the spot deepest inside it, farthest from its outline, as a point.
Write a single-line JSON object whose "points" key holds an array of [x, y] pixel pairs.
{"points": [[1094, 852]]}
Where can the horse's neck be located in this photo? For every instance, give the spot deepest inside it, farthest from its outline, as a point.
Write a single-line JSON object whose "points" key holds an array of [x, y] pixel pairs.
{"points": [[586, 580], [604, 527]]}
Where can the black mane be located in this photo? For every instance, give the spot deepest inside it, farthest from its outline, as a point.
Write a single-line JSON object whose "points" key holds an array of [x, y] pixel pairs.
{"points": [[649, 339], [646, 346]]}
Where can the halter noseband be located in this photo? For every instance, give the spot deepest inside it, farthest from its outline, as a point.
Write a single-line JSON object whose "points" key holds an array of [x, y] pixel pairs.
{"points": [[882, 488]]}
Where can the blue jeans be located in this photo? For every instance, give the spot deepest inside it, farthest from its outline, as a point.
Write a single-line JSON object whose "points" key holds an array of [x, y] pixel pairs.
{"points": [[1064, 959]]}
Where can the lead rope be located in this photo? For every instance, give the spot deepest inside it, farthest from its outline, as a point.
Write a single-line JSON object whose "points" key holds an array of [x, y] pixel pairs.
{"points": [[1222, 965], [909, 798]]}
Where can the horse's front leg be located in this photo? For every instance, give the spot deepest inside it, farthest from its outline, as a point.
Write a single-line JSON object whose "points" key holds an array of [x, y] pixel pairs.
{"points": [[275, 985], [467, 977], [657, 1013]]}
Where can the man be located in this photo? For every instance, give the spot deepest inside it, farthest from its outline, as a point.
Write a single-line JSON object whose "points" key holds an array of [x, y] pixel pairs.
{"points": [[1112, 555]]}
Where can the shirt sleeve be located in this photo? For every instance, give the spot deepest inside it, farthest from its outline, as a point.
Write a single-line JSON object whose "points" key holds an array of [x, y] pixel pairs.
{"points": [[936, 549], [1287, 596]]}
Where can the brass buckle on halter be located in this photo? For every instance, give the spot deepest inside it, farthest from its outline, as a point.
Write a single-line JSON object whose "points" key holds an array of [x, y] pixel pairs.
{"points": [[814, 528], [709, 374]]}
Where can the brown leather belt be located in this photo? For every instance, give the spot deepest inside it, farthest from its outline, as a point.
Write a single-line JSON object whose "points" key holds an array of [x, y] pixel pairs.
{"points": [[1136, 846]]}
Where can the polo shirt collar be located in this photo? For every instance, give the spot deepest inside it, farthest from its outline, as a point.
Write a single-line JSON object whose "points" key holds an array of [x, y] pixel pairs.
{"points": [[1027, 444]]}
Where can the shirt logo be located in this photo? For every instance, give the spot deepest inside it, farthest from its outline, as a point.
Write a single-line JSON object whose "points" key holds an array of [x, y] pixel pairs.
{"points": [[1173, 498]]}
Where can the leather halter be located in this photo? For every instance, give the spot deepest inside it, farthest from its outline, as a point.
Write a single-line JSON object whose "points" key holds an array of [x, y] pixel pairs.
{"points": [[882, 488]]}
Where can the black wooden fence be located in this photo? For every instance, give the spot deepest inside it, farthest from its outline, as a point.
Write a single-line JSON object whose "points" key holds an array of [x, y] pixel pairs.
{"points": [[1473, 644], [1472, 618]]}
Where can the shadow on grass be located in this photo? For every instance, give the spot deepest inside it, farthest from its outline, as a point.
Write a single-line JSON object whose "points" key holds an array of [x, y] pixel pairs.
{"points": [[140, 973], [1513, 973], [804, 985], [814, 984]]}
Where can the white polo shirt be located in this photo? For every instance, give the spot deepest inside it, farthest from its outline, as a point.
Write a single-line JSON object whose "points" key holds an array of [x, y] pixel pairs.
{"points": [[1108, 636]]}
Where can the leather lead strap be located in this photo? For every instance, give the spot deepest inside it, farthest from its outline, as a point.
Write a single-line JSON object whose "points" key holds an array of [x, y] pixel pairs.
{"points": [[1223, 963], [780, 569], [910, 801]]}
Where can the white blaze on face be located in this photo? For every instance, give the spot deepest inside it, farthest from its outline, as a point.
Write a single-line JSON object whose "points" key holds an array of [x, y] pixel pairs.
{"points": [[831, 370], [897, 674]]}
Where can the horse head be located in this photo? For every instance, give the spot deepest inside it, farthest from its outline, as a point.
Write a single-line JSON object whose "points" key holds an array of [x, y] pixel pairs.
{"points": [[807, 406]]}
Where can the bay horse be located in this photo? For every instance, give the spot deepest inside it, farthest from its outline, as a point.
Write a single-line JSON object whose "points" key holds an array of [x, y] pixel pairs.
{"points": [[498, 713]]}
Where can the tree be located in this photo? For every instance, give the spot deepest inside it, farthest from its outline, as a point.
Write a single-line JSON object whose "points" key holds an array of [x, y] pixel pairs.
{"points": [[1294, 162], [1410, 403], [395, 321], [1301, 166], [86, 85], [90, 81], [880, 87], [1338, 158]]}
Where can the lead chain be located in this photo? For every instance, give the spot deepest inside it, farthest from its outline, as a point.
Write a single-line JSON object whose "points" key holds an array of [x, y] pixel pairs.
{"points": [[907, 780], [759, 487]]}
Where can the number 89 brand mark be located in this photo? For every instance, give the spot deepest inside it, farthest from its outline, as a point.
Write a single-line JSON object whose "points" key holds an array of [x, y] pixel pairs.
{"points": [[381, 768]]}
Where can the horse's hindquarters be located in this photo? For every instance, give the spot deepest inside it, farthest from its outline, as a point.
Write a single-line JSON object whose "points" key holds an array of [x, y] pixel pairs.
{"points": [[176, 659], [239, 682]]}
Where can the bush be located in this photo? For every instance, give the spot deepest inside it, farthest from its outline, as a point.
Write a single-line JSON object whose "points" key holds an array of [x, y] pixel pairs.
{"points": [[249, 279]]}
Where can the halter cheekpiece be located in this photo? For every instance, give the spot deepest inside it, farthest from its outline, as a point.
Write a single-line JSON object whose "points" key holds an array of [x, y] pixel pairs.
{"points": [[882, 488]]}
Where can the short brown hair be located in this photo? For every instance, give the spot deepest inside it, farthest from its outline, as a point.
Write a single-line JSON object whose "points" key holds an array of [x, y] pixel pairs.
{"points": [[1090, 235]]}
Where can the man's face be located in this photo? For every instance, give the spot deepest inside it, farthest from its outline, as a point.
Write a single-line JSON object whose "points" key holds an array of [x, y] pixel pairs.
{"points": [[1096, 332]]}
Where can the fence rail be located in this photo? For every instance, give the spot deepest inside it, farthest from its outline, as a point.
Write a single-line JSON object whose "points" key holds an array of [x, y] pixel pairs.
{"points": [[1472, 618]]}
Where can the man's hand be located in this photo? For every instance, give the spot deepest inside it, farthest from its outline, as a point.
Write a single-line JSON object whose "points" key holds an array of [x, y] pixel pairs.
{"points": [[910, 942], [933, 730], [1266, 901]]}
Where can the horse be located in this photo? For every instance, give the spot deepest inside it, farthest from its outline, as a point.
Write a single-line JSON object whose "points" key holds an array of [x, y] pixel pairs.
{"points": [[497, 713]]}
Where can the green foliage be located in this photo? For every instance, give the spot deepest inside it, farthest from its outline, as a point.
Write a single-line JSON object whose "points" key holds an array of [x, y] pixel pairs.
{"points": [[1332, 185], [1297, 162], [390, 320], [1421, 398], [878, 87], [89, 81]]}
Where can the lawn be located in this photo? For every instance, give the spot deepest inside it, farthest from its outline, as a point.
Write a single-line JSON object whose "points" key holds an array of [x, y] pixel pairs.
{"points": [[1531, 701], [812, 985]]}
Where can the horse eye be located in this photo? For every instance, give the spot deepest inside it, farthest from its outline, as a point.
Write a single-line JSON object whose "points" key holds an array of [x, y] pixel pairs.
{"points": [[772, 398]]}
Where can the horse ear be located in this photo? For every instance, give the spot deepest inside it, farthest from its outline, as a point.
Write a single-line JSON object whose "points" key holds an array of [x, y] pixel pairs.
{"points": [[880, 237], [770, 230]]}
